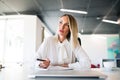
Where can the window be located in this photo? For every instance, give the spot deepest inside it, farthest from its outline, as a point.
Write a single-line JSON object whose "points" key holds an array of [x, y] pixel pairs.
{"points": [[11, 40]]}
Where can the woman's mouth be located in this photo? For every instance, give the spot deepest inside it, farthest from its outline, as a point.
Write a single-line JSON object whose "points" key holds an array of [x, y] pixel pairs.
{"points": [[61, 31]]}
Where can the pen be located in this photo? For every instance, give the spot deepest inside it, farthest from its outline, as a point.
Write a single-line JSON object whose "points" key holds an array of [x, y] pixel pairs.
{"points": [[40, 59]]}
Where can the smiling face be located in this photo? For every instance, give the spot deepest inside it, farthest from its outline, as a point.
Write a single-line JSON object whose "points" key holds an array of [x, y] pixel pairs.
{"points": [[63, 29]]}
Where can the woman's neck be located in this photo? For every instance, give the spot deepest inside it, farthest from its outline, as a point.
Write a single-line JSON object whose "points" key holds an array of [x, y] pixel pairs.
{"points": [[61, 38]]}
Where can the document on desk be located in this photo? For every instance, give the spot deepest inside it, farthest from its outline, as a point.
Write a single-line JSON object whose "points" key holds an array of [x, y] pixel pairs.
{"points": [[56, 68]]}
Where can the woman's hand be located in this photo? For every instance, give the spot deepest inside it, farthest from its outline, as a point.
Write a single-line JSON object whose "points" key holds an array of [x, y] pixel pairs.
{"points": [[62, 65], [44, 64]]}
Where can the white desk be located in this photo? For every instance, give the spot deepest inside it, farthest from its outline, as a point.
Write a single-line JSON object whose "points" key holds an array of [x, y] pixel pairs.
{"points": [[22, 73], [112, 74]]}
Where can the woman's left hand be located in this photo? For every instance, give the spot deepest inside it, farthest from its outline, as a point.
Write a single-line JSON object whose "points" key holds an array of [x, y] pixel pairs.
{"points": [[62, 65]]}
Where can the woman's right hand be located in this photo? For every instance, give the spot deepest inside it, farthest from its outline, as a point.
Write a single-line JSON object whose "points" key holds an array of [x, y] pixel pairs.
{"points": [[44, 64]]}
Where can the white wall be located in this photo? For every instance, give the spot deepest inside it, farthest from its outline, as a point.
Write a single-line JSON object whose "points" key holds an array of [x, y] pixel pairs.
{"points": [[95, 46], [39, 32], [29, 37], [32, 38]]}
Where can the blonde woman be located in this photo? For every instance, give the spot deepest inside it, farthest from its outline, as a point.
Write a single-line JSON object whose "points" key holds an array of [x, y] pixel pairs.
{"points": [[63, 48]]}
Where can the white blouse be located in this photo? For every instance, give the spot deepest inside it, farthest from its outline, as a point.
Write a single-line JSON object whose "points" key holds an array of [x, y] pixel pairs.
{"points": [[60, 53]]}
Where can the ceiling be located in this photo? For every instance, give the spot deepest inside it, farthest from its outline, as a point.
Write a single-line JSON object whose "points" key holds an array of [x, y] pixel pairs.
{"points": [[49, 11]]}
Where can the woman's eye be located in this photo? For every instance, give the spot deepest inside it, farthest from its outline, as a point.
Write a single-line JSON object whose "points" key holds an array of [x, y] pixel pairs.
{"points": [[67, 25], [60, 22]]}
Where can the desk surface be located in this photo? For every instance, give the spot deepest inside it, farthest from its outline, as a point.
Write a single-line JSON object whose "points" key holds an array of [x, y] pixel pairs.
{"points": [[112, 74], [23, 73]]}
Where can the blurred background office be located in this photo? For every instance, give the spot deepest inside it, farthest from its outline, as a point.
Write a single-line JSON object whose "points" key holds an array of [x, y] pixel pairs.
{"points": [[25, 23]]}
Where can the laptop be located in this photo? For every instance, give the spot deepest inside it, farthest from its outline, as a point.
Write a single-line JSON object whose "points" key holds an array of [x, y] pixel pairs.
{"points": [[89, 74]]}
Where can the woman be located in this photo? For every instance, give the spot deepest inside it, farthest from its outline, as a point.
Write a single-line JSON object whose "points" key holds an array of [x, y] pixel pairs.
{"points": [[63, 48]]}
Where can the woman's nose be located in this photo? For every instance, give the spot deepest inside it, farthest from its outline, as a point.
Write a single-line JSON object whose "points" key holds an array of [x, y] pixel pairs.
{"points": [[62, 26]]}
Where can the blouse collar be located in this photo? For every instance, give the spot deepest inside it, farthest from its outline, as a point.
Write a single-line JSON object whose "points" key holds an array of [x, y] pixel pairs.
{"points": [[64, 42]]}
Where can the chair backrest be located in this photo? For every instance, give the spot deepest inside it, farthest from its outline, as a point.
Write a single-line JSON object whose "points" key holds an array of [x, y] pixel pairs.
{"points": [[118, 62], [79, 40]]}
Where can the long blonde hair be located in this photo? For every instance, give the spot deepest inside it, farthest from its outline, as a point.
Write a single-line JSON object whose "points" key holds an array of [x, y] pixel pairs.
{"points": [[73, 34]]}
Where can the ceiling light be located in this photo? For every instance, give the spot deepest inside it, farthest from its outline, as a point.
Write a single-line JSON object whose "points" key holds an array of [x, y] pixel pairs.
{"points": [[82, 31], [110, 21], [73, 11]]}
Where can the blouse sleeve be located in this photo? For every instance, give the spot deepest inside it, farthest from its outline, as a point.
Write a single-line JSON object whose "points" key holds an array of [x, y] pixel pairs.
{"points": [[83, 61], [41, 52]]}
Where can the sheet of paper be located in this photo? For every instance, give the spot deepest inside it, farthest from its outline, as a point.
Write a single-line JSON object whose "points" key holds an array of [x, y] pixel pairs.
{"points": [[56, 68]]}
